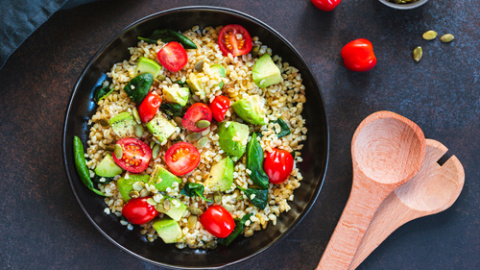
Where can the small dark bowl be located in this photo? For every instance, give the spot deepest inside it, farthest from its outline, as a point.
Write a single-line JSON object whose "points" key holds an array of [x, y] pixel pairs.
{"points": [[315, 151]]}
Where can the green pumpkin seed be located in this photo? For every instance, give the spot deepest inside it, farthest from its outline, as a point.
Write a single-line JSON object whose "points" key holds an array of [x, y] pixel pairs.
{"points": [[417, 54], [152, 144], [161, 77], [202, 142], [217, 197], [166, 204], [211, 245], [133, 194], [144, 193], [202, 124], [136, 116], [138, 186], [118, 151], [155, 151], [109, 147], [151, 201], [178, 121], [199, 66], [193, 136], [195, 211], [139, 131], [447, 38], [104, 123], [429, 35], [192, 221], [159, 207]]}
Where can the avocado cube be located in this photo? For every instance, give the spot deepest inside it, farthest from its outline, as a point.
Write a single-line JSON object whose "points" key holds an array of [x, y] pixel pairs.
{"points": [[233, 138], [221, 175], [221, 71], [194, 81], [176, 94], [125, 185], [176, 210], [265, 72], [123, 124], [162, 179], [169, 230], [147, 65], [251, 109], [107, 167], [160, 128]]}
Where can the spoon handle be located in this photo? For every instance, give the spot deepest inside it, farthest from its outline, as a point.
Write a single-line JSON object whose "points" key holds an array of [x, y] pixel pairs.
{"points": [[364, 200]]}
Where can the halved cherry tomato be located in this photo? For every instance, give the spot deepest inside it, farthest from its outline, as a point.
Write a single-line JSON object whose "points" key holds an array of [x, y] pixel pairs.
{"points": [[149, 107], [136, 155], [326, 5], [182, 158], [358, 55], [234, 39], [219, 107], [173, 56], [195, 113], [139, 211], [278, 165], [217, 221]]}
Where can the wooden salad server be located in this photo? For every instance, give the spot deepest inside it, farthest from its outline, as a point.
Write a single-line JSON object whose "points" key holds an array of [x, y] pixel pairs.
{"points": [[432, 190], [387, 151]]}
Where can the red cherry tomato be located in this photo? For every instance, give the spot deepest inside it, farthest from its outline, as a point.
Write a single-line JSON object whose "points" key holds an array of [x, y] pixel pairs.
{"points": [[182, 158], [234, 39], [136, 155], [218, 221], [278, 165], [139, 211], [219, 107], [195, 113], [326, 5], [173, 56], [149, 107], [358, 55]]}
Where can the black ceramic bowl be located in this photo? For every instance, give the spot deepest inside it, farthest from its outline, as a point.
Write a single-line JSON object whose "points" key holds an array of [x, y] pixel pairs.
{"points": [[315, 151]]}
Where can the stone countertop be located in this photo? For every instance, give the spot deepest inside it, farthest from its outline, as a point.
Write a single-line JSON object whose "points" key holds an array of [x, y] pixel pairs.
{"points": [[44, 227]]}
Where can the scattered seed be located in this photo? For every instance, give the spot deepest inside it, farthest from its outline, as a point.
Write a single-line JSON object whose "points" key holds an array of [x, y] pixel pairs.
{"points": [[429, 35], [199, 66], [136, 116], [193, 136], [166, 204], [202, 142], [417, 54], [109, 147], [138, 186], [151, 201], [104, 123], [178, 120], [118, 151], [211, 245], [447, 38], [139, 131], [144, 193], [255, 51], [192, 221], [217, 197], [161, 77], [195, 211], [155, 151], [133, 194], [202, 124], [159, 208], [152, 144]]}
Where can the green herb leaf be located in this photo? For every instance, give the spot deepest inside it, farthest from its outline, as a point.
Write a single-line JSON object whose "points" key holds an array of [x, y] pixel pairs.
{"points": [[258, 197], [194, 189], [284, 129], [138, 87], [167, 35], [239, 226], [172, 109], [148, 40], [81, 165], [102, 92], [255, 162]]}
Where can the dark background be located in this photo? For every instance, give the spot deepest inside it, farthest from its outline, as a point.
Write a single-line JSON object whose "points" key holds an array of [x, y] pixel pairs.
{"points": [[42, 226]]}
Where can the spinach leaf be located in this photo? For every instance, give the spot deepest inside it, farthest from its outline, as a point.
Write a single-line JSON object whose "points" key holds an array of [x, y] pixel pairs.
{"points": [[194, 189], [258, 197], [102, 92], [255, 162], [138, 87], [106, 180], [284, 129], [172, 109], [167, 35], [239, 225]]}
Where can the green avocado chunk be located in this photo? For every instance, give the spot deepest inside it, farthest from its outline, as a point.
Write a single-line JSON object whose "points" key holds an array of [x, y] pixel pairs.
{"points": [[220, 70], [162, 179], [175, 209], [221, 175], [107, 167], [125, 185], [251, 109], [147, 65], [175, 94], [123, 124], [169, 230], [233, 138], [265, 72], [160, 128]]}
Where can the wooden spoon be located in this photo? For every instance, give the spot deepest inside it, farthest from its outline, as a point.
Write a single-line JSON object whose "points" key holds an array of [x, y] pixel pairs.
{"points": [[387, 151], [432, 190]]}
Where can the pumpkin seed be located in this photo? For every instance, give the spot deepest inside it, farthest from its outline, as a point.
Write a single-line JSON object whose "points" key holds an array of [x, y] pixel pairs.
{"points": [[104, 123], [211, 245], [118, 151], [195, 211], [202, 142], [217, 197], [161, 77], [136, 116], [139, 131], [151, 201], [152, 144], [199, 66], [166, 204], [178, 120], [447, 38], [133, 194], [159, 208], [202, 124], [109, 147], [144, 193], [429, 35], [192, 221], [193, 136], [138, 186], [155, 151], [417, 54]]}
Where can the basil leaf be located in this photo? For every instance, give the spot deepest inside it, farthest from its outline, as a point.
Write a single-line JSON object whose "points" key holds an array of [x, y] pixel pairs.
{"points": [[172, 109], [102, 92], [258, 197], [138, 87], [284, 129], [239, 226], [255, 162], [167, 35], [194, 189], [148, 40]]}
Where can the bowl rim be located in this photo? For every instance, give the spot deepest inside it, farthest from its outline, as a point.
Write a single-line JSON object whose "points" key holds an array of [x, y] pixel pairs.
{"points": [[226, 10], [404, 6]]}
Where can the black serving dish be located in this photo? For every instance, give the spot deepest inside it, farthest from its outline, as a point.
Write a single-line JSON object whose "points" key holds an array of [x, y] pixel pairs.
{"points": [[315, 151]]}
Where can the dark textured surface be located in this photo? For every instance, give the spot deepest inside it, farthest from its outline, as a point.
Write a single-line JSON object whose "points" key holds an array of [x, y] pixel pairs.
{"points": [[43, 226]]}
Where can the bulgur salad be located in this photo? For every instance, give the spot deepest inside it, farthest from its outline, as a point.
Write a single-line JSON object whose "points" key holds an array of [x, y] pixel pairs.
{"points": [[196, 137]]}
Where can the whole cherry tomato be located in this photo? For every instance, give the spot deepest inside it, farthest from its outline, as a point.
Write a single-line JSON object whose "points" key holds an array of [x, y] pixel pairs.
{"points": [[234, 39], [326, 5], [149, 107], [358, 55], [135, 155], [139, 211], [195, 113], [219, 107], [278, 165], [173, 56], [182, 158], [218, 221]]}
